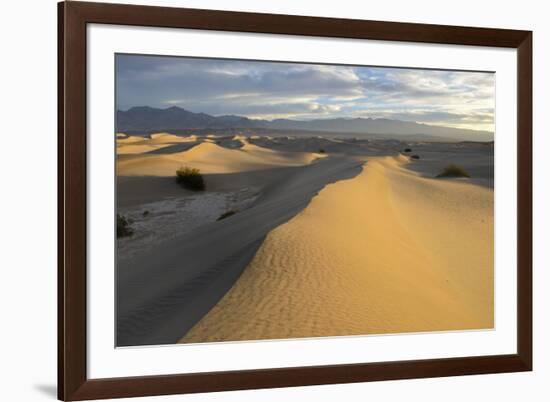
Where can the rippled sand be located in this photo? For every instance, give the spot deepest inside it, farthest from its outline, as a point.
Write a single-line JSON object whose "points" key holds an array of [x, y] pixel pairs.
{"points": [[384, 252]]}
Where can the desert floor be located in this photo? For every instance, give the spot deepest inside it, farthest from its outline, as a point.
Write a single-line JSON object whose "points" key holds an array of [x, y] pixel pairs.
{"points": [[330, 237]]}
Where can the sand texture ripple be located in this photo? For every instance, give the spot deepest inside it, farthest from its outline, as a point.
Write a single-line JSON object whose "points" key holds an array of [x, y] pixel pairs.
{"points": [[161, 294], [386, 251]]}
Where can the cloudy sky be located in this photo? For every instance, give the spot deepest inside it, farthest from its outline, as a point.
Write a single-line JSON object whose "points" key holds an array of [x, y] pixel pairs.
{"points": [[306, 91]]}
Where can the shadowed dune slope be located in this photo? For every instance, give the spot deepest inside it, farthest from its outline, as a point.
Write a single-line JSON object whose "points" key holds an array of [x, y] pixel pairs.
{"points": [[387, 251], [162, 294]]}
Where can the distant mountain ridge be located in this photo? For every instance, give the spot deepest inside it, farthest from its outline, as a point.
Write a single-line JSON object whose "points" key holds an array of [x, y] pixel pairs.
{"points": [[148, 119]]}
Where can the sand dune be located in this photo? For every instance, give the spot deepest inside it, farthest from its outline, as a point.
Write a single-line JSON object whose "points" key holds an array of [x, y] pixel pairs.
{"points": [[387, 251], [172, 138], [390, 249], [131, 145], [337, 145], [210, 158], [163, 293]]}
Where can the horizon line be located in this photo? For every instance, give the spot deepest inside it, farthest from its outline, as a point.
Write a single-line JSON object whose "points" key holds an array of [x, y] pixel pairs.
{"points": [[307, 120]]}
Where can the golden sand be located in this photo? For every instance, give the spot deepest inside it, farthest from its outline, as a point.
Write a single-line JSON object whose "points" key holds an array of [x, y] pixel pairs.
{"points": [[387, 251], [130, 145], [206, 156]]}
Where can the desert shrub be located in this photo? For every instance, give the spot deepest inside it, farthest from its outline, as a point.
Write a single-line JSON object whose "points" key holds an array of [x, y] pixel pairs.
{"points": [[321, 151], [145, 213], [407, 150], [190, 178], [123, 227], [453, 170], [415, 157], [226, 214]]}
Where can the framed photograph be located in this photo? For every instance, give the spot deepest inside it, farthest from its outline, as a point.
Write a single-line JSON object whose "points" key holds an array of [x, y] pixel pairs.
{"points": [[254, 200]]}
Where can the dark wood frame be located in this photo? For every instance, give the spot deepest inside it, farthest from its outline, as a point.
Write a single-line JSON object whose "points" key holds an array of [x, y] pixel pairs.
{"points": [[73, 383]]}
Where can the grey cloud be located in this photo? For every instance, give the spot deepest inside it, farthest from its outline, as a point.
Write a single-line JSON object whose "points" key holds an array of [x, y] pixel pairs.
{"points": [[252, 88], [191, 80]]}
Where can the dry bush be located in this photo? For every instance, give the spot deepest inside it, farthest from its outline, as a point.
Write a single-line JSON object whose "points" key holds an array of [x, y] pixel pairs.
{"points": [[190, 178], [453, 170]]}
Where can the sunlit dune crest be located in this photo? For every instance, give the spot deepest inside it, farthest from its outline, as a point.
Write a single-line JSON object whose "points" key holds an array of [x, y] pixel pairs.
{"points": [[387, 251], [128, 144], [207, 156]]}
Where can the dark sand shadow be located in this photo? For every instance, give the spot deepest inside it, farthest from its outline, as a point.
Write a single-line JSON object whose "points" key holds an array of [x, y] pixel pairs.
{"points": [[162, 295], [173, 149]]}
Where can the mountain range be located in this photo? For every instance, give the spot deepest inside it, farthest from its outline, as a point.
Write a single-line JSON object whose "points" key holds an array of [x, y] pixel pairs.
{"points": [[148, 119]]}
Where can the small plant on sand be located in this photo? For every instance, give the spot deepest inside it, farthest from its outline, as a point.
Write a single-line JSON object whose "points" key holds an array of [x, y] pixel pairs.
{"points": [[453, 170], [321, 151], [190, 178], [226, 215], [415, 157], [407, 150], [123, 227]]}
